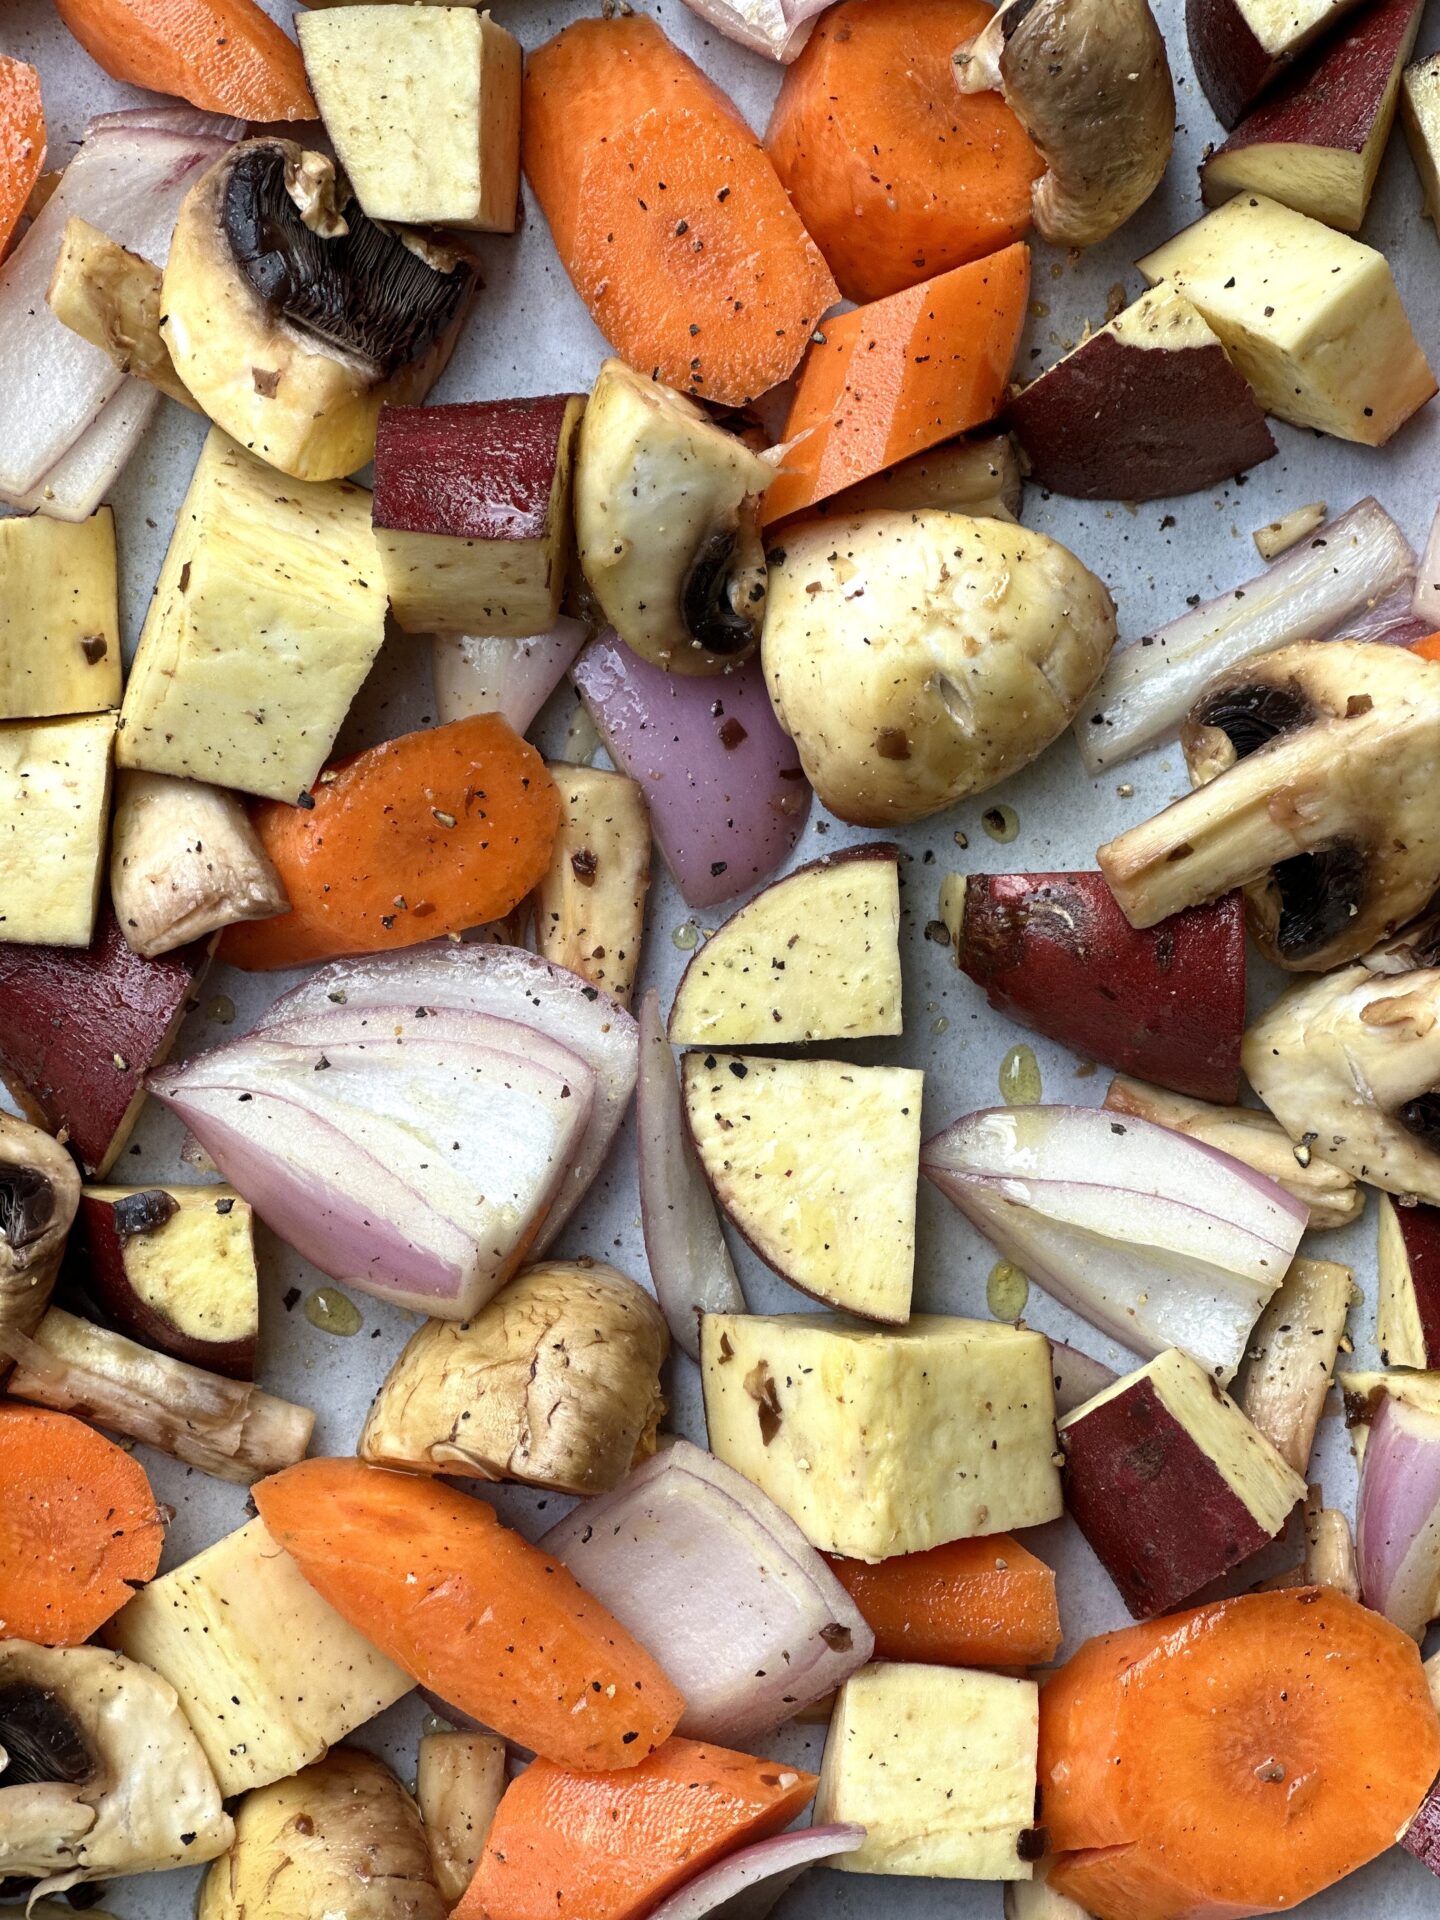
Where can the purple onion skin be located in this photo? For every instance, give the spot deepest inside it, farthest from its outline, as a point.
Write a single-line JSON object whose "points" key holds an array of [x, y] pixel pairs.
{"points": [[728, 800], [1397, 1535]]}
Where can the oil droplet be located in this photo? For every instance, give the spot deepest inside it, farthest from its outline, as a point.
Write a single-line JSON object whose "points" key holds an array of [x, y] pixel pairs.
{"points": [[685, 936], [1001, 823], [942, 1025], [221, 1010], [332, 1311], [1020, 1078], [1006, 1291]]}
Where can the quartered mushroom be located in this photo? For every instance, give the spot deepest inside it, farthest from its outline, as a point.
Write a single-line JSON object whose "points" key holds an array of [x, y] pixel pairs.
{"points": [[1090, 82], [100, 1771], [1315, 775], [39, 1193], [291, 316], [665, 519], [1351, 1066]]}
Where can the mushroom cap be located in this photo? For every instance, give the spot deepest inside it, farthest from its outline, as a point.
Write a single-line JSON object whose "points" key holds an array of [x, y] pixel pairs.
{"points": [[39, 1193], [916, 658]]}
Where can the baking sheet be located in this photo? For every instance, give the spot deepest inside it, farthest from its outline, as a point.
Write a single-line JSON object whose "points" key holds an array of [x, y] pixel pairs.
{"points": [[528, 334]]}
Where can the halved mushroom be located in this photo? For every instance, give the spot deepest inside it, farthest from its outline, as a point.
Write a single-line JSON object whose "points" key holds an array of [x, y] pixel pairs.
{"points": [[100, 1771], [665, 520], [1315, 771], [1351, 1066], [1090, 82], [39, 1192], [184, 861], [292, 317]]}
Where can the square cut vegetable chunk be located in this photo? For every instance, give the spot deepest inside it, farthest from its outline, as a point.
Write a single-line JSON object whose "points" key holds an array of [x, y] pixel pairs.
{"points": [[54, 797], [59, 618]]}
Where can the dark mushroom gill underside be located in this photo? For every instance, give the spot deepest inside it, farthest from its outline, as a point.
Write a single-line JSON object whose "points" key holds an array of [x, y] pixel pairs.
{"points": [[27, 1205]]}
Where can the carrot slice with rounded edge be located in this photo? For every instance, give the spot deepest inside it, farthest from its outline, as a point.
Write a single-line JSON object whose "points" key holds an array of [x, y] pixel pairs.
{"points": [[1234, 1759], [895, 172], [1428, 648], [666, 212], [224, 55], [900, 375], [79, 1527], [973, 1603], [22, 141], [473, 1611], [607, 1846], [429, 834]]}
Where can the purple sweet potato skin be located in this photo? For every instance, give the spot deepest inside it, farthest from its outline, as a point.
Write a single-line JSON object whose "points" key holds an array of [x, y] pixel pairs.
{"points": [[1160, 1517], [475, 470], [1422, 1837], [1230, 63], [1420, 1230]]}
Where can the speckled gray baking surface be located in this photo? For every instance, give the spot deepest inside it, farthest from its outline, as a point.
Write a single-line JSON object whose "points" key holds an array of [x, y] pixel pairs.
{"points": [[529, 334]]}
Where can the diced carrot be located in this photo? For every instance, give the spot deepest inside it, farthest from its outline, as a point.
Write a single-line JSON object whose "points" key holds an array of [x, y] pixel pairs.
{"points": [[224, 55], [1428, 648], [22, 141], [900, 375], [496, 1627], [666, 212], [607, 1846], [973, 1603], [1234, 1759], [429, 834], [79, 1527], [896, 173]]}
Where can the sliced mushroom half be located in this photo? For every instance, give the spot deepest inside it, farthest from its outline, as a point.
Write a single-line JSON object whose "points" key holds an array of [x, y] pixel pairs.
{"points": [[1315, 776], [100, 1771], [39, 1192], [1350, 1065], [665, 519], [1090, 82], [292, 317]]}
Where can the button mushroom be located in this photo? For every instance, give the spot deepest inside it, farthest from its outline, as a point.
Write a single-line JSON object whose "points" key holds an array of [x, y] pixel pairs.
{"points": [[291, 317], [1091, 84], [39, 1192], [1314, 768], [919, 657], [665, 520], [100, 1772], [1351, 1066]]}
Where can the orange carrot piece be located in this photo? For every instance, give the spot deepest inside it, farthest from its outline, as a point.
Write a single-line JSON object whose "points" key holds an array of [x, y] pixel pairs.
{"points": [[472, 1610], [666, 212], [79, 1527], [607, 1846], [1428, 648], [22, 141], [224, 55], [973, 1603], [429, 834], [895, 172], [1234, 1759], [900, 375]]}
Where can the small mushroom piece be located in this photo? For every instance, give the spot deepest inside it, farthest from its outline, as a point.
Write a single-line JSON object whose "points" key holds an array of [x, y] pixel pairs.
{"points": [[1315, 769], [100, 1771], [1350, 1064], [916, 658], [341, 1838], [111, 297], [184, 861], [291, 317], [555, 1383], [665, 520], [1090, 83], [459, 1780], [39, 1194], [590, 906]]}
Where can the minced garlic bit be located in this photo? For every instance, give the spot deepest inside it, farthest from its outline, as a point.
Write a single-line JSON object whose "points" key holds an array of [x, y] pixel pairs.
{"points": [[1280, 535]]}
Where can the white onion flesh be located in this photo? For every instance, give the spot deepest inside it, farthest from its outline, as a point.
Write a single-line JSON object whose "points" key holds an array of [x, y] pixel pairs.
{"points": [[1154, 1238], [684, 1242], [722, 1587], [1390, 622], [777, 28], [1309, 593], [747, 1884], [1425, 602], [75, 486], [481, 673], [1397, 1535]]}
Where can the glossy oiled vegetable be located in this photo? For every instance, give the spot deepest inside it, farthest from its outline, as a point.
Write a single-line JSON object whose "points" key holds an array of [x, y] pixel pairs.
{"points": [[39, 1194], [226, 55], [971, 1603], [22, 141], [1232, 1760], [472, 1611]]}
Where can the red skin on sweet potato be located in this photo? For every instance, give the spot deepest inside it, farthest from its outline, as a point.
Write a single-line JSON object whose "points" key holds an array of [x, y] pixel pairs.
{"points": [[1422, 1837], [1054, 952], [1420, 1231]]}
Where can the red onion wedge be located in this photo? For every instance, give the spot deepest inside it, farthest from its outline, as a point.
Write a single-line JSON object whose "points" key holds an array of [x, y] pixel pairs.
{"points": [[1398, 1516], [722, 1587], [1390, 622], [727, 798], [480, 673], [1425, 602], [75, 486], [689, 1260], [176, 118], [414, 1168], [1154, 1238], [747, 1884], [778, 28], [1078, 1378], [129, 181], [1308, 594], [510, 984]]}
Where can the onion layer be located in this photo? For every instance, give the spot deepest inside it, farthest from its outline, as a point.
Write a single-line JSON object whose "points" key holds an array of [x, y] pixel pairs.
{"points": [[746, 1885], [479, 673], [1398, 1516], [778, 28], [1077, 1377], [722, 1587], [1425, 603], [1153, 1238]]}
